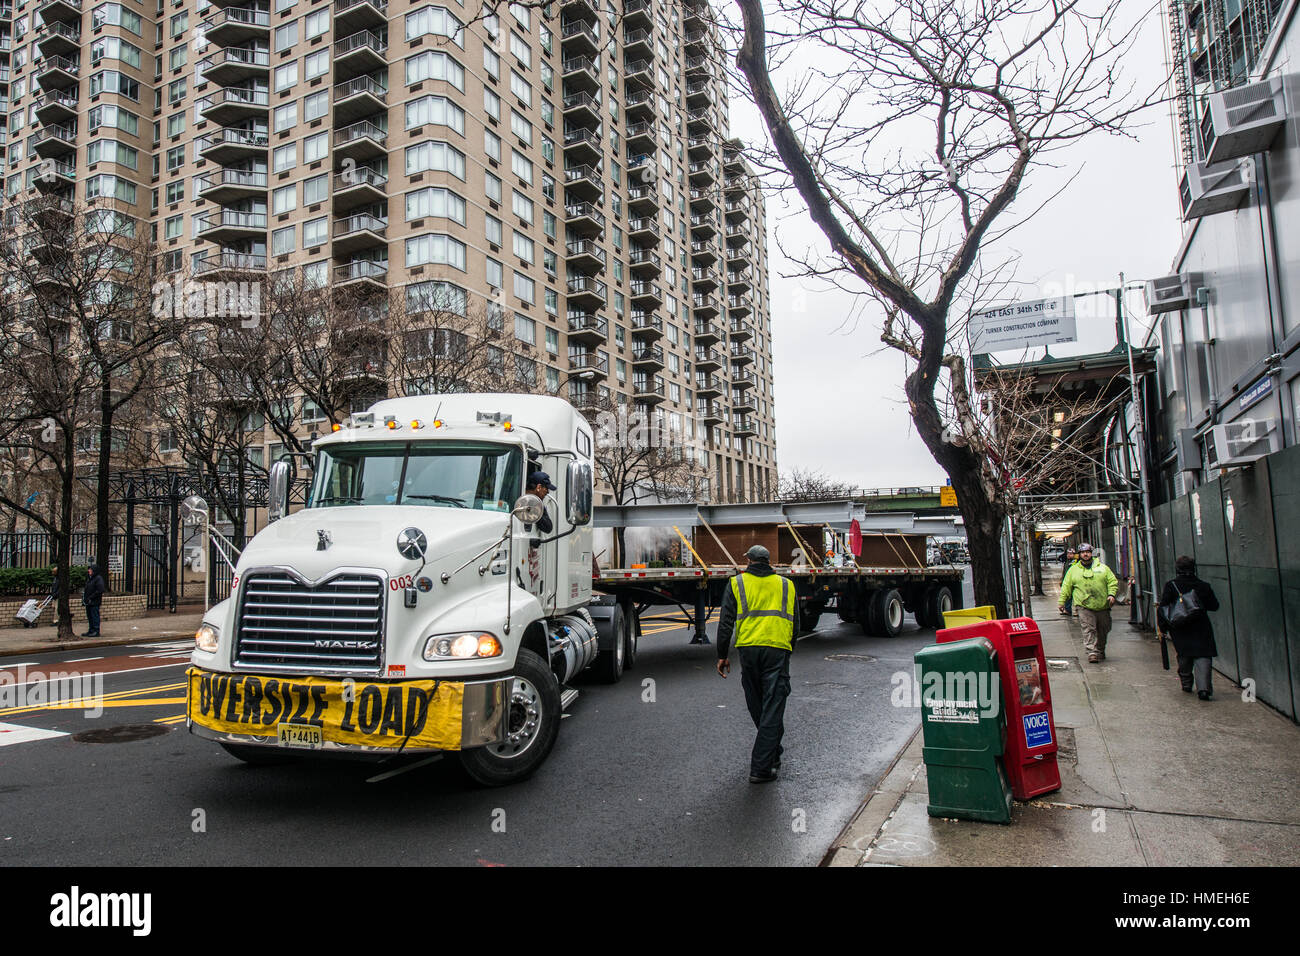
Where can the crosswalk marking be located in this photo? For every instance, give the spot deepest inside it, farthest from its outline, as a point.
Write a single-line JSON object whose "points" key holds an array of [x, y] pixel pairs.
{"points": [[18, 734]]}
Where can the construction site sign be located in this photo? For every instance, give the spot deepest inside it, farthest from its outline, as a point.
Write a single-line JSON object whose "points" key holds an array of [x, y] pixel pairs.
{"points": [[947, 497], [1023, 325]]}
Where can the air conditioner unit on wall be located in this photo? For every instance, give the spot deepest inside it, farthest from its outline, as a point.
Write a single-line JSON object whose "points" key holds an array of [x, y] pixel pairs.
{"points": [[1243, 120], [1241, 442], [1206, 190], [1172, 292]]}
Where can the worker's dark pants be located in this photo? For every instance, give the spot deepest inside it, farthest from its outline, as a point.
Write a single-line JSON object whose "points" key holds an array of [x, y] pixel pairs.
{"points": [[92, 618], [765, 676], [1199, 668]]}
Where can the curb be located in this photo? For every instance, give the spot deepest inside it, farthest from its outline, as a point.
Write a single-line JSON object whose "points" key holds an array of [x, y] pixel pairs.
{"points": [[876, 795], [50, 647]]}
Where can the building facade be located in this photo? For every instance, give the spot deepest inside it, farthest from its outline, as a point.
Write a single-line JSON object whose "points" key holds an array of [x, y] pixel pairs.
{"points": [[570, 168]]}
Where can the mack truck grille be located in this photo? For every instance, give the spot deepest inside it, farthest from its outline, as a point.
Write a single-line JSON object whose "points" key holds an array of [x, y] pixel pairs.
{"points": [[285, 624]]}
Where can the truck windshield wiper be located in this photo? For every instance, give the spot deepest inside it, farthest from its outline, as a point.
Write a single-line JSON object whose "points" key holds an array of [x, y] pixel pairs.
{"points": [[350, 498], [451, 501]]}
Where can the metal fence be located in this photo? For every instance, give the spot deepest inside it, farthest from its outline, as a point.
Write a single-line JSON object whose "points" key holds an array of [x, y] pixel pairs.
{"points": [[139, 566]]}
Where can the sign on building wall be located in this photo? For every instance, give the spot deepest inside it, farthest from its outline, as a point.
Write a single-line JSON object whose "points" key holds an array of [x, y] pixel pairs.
{"points": [[1022, 325]]}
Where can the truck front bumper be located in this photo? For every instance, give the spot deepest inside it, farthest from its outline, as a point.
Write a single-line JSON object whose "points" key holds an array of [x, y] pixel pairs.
{"points": [[342, 716]]}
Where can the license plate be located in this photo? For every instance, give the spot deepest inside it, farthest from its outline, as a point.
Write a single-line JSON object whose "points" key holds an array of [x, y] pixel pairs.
{"points": [[299, 735]]}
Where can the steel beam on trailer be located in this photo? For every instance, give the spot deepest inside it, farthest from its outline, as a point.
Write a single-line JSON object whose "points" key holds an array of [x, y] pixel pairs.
{"points": [[767, 512]]}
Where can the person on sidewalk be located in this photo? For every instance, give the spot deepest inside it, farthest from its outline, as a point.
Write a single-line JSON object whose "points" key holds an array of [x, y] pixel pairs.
{"points": [[1193, 638], [92, 596], [1092, 586], [1067, 562], [763, 609]]}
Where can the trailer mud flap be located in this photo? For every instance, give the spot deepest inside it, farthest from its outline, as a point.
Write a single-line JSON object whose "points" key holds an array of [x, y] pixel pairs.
{"points": [[318, 711]]}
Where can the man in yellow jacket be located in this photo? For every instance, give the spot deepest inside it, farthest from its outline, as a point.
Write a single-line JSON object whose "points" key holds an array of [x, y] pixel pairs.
{"points": [[1092, 587], [763, 609]]}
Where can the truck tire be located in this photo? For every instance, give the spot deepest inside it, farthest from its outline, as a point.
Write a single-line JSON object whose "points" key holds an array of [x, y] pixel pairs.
{"points": [[936, 602], [534, 723], [633, 637], [887, 607], [865, 606], [846, 608], [260, 756], [808, 622], [611, 662]]}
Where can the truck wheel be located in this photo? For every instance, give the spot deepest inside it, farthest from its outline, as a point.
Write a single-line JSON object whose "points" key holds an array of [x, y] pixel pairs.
{"points": [[809, 622], [866, 613], [611, 661], [260, 756], [936, 602], [532, 727], [633, 638], [845, 608], [887, 605]]}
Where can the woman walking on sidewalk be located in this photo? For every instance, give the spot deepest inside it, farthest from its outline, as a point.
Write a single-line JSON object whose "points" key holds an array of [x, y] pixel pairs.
{"points": [[1193, 637]]}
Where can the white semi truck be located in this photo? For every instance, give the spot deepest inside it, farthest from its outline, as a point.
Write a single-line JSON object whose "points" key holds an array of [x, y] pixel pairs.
{"points": [[414, 604]]}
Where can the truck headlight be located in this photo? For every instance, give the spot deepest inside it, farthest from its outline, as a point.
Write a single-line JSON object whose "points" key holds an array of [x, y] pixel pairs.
{"points": [[461, 646], [206, 638]]}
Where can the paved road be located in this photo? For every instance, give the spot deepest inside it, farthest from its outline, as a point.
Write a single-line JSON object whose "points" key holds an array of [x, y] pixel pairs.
{"points": [[652, 770]]}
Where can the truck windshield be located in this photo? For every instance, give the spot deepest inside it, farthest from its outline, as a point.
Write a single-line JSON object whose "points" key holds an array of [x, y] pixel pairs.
{"points": [[477, 475]]}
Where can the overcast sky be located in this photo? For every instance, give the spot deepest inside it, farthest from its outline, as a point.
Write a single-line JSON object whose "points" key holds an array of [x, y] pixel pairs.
{"points": [[839, 400]]}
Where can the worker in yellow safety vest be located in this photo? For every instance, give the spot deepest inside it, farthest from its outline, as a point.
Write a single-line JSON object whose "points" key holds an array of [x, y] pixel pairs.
{"points": [[763, 610]]}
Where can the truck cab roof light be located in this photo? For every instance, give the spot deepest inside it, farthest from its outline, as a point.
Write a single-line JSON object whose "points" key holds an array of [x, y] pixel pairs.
{"points": [[437, 423], [391, 423], [335, 427], [417, 424]]}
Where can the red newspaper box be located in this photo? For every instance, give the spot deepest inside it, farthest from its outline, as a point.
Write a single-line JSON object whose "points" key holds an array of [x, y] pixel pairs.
{"points": [[1030, 755]]}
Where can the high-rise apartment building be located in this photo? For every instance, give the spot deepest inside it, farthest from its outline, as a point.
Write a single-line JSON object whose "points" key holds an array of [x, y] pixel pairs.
{"points": [[571, 165]]}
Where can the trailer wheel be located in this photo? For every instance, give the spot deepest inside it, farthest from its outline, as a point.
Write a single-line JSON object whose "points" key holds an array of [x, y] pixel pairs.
{"points": [[633, 637], [867, 618], [846, 608], [611, 661], [260, 756], [887, 605], [936, 602], [808, 622], [533, 725]]}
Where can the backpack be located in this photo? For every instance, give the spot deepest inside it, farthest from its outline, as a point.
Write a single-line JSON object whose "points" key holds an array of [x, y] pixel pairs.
{"points": [[1186, 610]]}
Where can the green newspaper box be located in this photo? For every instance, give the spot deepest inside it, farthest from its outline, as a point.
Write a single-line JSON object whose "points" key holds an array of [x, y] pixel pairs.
{"points": [[963, 724]]}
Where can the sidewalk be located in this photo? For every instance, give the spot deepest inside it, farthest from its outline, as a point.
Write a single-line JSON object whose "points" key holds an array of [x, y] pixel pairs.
{"points": [[156, 626], [1150, 776]]}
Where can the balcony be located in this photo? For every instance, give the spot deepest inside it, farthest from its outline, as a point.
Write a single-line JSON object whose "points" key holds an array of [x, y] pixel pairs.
{"points": [[582, 147], [734, 162], [742, 280], [700, 146], [699, 93], [641, 136], [739, 306], [650, 357], [584, 183], [228, 263], [580, 10], [235, 26], [646, 293], [578, 37], [742, 402], [696, 65], [55, 141], [738, 257], [708, 386], [639, 43], [352, 15], [235, 105], [230, 144], [581, 110], [362, 52], [710, 413], [59, 38], [702, 172], [706, 332], [741, 331], [586, 292], [639, 74], [645, 263], [56, 177], [584, 255], [704, 252], [67, 11], [357, 98], [643, 200], [583, 398], [700, 120], [646, 326], [361, 273], [743, 380], [742, 354], [231, 65], [708, 360], [744, 426], [230, 225], [703, 199], [587, 327], [584, 219], [735, 185], [639, 104], [57, 72], [359, 186], [738, 210], [364, 368], [359, 231], [642, 169], [363, 140], [644, 229], [231, 185], [704, 225], [638, 13], [647, 389], [56, 105], [51, 213], [579, 73], [704, 279], [588, 365], [697, 39]]}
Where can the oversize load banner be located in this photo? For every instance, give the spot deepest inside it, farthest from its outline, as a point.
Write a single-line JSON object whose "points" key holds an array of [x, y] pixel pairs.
{"points": [[425, 714], [1025, 324]]}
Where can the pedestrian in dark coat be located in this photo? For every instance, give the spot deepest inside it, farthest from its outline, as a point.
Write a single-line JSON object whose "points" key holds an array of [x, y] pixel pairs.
{"points": [[1193, 639], [92, 596]]}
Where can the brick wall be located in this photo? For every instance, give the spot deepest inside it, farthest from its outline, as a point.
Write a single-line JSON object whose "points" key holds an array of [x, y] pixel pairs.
{"points": [[116, 607]]}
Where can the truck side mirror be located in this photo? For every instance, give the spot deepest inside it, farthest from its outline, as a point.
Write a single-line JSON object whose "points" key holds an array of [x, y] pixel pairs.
{"points": [[277, 493], [529, 509], [579, 500]]}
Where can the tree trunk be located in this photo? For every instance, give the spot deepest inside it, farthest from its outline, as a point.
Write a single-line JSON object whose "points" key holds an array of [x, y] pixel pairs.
{"points": [[63, 540], [103, 528]]}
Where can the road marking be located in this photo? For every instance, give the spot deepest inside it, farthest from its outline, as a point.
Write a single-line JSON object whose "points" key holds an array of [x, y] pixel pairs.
{"points": [[89, 703], [82, 660], [18, 734], [393, 773], [174, 719]]}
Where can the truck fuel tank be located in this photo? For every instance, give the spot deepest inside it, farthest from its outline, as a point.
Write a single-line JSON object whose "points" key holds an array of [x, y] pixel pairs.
{"points": [[572, 642]]}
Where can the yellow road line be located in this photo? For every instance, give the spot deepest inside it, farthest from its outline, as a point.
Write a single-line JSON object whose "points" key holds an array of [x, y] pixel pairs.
{"points": [[179, 718], [85, 703], [120, 703]]}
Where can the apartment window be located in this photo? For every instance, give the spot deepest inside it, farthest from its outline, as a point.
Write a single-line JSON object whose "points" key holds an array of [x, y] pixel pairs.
{"points": [[286, 35], [316, 189], [315, 148], [117, 15], [523, 247], [175, 90], [492, 187], [438, 296], [282, 241], [435, 249], [432, 65], [520, 50], [316, 64], [620, 369], [316, 23], [434, 21], [435, 201], [552, 302], [284, 199], [522, 166], [548, 149], [113, 186], [548, 113], [492, 145], [116, 118], [491, 104], [285, 117], [522, 206], [525, 288], [111, 151], [491, 63], [284, 157], [548, 77], [114, 48], [525, 329], [315, 106], [548, 186], [549, 261], [495, 274], [111, 81], [283, 5], [176, 58], [619, 303], [437, 110], [521, 127], [175, 124], [546, 39], [173, 227], [548, 223], [286, 75], [492, 230], [175, 192], [435, 156], [179, 23], [315, 232], [522, 89]]}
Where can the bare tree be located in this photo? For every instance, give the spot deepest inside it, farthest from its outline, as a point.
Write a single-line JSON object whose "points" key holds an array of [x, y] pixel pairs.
{"points": [[908, 134], [808, 484]]}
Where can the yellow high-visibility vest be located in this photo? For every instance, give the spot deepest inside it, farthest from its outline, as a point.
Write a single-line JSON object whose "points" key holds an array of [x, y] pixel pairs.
{"points": [[764, 611]]}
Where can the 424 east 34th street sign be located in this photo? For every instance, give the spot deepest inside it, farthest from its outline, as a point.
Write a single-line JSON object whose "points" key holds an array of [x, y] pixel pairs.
{"points": [[1022, 325]]}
